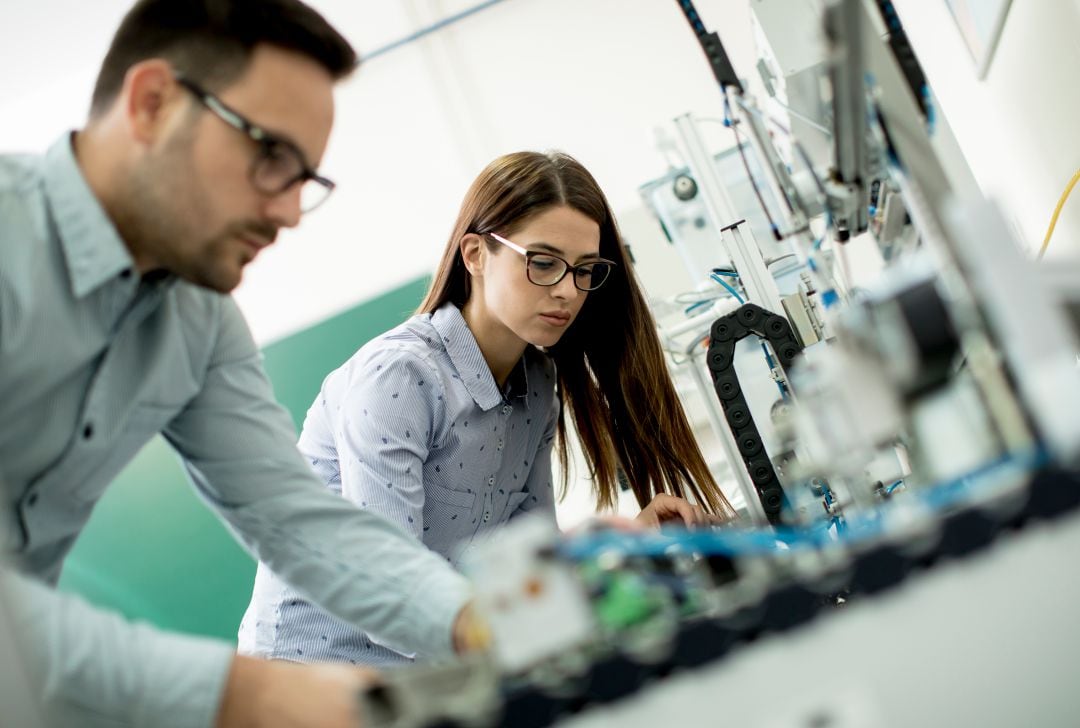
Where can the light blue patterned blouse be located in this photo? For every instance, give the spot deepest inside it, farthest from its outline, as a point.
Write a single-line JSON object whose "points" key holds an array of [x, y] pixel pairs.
{"points": [[415, 428]]}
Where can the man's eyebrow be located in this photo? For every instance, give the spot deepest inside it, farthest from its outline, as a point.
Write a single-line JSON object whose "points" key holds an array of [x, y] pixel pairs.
{"points": [[269, 133], [283, 138], [276, 136]]}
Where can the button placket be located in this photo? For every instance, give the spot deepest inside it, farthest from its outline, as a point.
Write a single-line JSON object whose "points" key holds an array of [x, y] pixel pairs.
{"points": [[136, 307]]}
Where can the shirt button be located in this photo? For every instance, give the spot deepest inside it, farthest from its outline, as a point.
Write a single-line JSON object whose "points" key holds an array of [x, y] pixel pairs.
{"points": [[491, 480], [88, 431], [126, 273]]}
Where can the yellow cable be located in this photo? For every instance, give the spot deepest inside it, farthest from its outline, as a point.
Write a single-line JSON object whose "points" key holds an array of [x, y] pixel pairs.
{"points": [[1057, 211]]}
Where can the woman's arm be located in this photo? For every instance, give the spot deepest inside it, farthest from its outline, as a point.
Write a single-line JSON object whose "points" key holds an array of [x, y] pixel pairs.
{"points": [[382, 432]]}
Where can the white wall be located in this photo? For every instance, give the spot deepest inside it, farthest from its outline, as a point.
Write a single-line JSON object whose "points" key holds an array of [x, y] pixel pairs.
{"points": [[414, 127], [1017, 127], [591, 77]]}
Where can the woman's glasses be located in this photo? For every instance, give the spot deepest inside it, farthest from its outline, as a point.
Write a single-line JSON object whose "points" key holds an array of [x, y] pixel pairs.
{"points": [[545, 269]]}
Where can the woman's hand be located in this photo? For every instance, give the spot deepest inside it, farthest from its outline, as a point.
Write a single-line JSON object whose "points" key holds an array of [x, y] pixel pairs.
{"points": [[665, 509]]}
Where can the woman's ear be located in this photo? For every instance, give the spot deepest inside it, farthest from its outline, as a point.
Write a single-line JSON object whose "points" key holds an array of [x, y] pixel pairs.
{"points": [[472, 252]]}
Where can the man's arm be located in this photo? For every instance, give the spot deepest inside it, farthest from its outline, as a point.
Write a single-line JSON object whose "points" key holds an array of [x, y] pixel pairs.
{"points": [[94, 668], [91, 668], [238, 444]]}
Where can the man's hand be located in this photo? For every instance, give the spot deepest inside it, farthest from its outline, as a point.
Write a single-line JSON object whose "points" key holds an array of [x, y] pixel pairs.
{"points": [[275, 694], [666, 508]]}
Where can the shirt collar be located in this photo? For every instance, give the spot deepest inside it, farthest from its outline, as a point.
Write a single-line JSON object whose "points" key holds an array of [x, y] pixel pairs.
{"points": [[518, 383], [465, 354], [92, 246]]}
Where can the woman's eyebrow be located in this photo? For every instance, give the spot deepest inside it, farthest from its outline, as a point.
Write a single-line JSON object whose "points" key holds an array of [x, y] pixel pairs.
{"points": [[549, 248]]}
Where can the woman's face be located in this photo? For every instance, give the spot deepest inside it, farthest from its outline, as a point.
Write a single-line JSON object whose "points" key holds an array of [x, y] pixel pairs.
{"points": [[538, 315]]}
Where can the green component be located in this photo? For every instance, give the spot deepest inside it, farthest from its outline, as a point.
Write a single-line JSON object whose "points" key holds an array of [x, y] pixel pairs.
{"points": [[153, 551], [626, 601]]}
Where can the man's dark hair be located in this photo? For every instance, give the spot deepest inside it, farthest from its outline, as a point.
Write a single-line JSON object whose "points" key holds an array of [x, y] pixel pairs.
{"points": [[211, 41]]}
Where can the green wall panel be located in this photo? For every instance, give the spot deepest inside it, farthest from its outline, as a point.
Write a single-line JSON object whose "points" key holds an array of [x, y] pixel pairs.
{"points": [[297, 365], [154, 551]]}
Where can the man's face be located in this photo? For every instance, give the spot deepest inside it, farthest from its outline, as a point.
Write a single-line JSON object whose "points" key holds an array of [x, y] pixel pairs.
{"points": [[201, 216]]}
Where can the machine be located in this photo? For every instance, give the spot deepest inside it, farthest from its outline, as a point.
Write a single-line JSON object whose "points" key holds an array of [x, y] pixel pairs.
{"points": [[910, 473]]}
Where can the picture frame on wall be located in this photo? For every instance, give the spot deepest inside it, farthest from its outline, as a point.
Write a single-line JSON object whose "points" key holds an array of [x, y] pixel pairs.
{"points": [[980, 23]]}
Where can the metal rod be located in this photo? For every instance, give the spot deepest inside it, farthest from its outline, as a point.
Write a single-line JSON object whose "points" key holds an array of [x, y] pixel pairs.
{"points": [[745, 255]]}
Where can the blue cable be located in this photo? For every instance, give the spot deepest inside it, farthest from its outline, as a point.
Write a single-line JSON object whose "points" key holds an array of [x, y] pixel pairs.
{"points": [[768, 356], [928, 102], [699, 304], [726, 285], [769, 361], [716, 276], [735, 542]]}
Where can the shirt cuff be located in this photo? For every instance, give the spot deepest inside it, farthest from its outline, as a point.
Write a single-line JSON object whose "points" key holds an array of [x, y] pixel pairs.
{"points": [[437, 616], [185, 680]]}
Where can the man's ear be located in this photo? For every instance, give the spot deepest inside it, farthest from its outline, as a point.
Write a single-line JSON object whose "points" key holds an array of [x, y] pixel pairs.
{"points": [[472, 252], [149, 97]]}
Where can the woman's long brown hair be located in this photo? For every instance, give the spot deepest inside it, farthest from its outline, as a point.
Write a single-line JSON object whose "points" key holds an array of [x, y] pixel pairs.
{"points": [[612, 376]]}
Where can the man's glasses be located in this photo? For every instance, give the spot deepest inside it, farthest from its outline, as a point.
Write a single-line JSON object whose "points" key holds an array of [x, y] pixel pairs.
{"points": [[545, 269], [278, 164]]}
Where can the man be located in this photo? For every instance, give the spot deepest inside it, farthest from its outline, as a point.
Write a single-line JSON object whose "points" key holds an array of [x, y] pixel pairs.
{"points": [[117, 251]]}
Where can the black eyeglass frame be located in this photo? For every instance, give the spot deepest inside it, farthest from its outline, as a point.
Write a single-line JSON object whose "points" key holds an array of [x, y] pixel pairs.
{"points": [[266, 140], [530, 254]]}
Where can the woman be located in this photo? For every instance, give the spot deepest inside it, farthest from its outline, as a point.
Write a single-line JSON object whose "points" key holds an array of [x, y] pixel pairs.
{"points": [[446, 423]]}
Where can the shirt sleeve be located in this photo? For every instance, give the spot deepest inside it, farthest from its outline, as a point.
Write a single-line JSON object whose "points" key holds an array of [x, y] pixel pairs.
{"points": [[541, 497], [382, 434], [238, 445], [90, 668]]}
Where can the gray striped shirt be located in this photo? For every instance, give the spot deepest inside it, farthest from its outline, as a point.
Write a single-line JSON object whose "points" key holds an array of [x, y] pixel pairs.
{"points": [[94, 361], [415, 428]]}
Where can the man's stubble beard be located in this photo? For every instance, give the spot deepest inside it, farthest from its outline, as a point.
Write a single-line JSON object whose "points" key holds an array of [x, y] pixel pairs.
{"points": [[164, 206]]}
